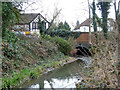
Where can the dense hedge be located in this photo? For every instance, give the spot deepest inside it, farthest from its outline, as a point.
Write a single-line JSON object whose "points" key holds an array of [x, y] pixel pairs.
{"points": [[61, 33]]}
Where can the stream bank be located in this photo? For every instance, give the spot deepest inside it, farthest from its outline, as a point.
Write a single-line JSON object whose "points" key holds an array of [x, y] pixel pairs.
{"points": [[31, 57], [63, 77], [26, 75]]}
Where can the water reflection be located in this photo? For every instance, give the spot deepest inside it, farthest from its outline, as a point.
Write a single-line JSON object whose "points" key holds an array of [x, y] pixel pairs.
{"points": [[56, 83], [65, 77]]}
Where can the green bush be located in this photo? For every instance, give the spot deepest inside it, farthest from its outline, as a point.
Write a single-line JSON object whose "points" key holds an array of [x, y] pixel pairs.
{"points": [[33, 74], [48, 37], [72, 42], [61, 33], [62, 44], [76, 35]]}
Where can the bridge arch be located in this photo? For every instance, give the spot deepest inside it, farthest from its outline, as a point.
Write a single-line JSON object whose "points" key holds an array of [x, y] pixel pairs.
{"points": [[83, 49]]}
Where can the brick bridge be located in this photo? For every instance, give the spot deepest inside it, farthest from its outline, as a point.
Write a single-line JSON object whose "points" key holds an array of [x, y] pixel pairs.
{"points": [[83, 45]]}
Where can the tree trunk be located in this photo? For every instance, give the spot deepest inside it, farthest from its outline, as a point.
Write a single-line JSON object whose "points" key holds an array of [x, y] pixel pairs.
{"points": [[115, 9], [104, 16], [89, 23], [94, 21], [118, 22]]}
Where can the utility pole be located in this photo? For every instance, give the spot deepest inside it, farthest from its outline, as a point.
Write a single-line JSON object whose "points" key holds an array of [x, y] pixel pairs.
{"points": [[89, 23]]}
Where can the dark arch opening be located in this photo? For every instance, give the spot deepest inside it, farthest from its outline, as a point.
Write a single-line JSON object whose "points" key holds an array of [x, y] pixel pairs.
{"points": [[82, 51]]}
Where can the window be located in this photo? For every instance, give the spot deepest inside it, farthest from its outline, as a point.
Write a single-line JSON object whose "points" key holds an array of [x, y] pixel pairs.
{"points": [[34, 25], [45, 25], [27, 27]]}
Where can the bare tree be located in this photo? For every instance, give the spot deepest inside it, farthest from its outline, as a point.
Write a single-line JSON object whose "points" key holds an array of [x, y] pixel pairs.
{"points": [[55, 15], [118, 19], [115, 9], [89, 22]]}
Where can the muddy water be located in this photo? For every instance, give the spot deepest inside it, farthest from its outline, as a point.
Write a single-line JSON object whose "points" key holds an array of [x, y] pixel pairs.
{"points": [[64, 77]]}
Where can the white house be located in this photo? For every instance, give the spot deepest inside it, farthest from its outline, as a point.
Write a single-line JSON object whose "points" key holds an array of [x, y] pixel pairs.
{"points": [[29, 22], [84, 26]]}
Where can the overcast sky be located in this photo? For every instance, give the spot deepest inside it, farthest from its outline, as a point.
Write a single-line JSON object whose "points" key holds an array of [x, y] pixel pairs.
{"points": [[72, 10]]}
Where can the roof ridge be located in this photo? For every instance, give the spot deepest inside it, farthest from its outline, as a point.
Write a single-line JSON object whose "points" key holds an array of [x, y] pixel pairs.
{"points": [[28, 17]]}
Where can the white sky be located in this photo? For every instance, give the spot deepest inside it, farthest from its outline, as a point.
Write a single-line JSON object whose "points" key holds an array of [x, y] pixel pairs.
{"points": [[72, 10]]}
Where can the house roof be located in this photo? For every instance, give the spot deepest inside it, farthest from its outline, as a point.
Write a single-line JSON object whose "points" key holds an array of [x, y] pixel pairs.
{"points": [[26, 18], [85, 23]]}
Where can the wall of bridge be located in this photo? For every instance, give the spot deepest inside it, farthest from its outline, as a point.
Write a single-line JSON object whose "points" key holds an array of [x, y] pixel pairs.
{"points": [[84, 38]]}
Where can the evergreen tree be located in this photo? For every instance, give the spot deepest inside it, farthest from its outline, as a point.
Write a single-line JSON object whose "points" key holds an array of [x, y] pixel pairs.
{"points": [[66, 26], [61, 25], [77, 23], [94, 19], [41, 26], [10, 15], [104, 7]]}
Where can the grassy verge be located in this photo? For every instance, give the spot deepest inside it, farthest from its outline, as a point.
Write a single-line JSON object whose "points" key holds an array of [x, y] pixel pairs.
{"points": [[26, 74]]}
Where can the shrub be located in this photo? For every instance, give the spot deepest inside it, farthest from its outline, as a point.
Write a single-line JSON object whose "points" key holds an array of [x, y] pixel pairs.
{"points": [[61, 33], [76, 35], [62, 44], [72, 42], [48, 37], [33, 74]]}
